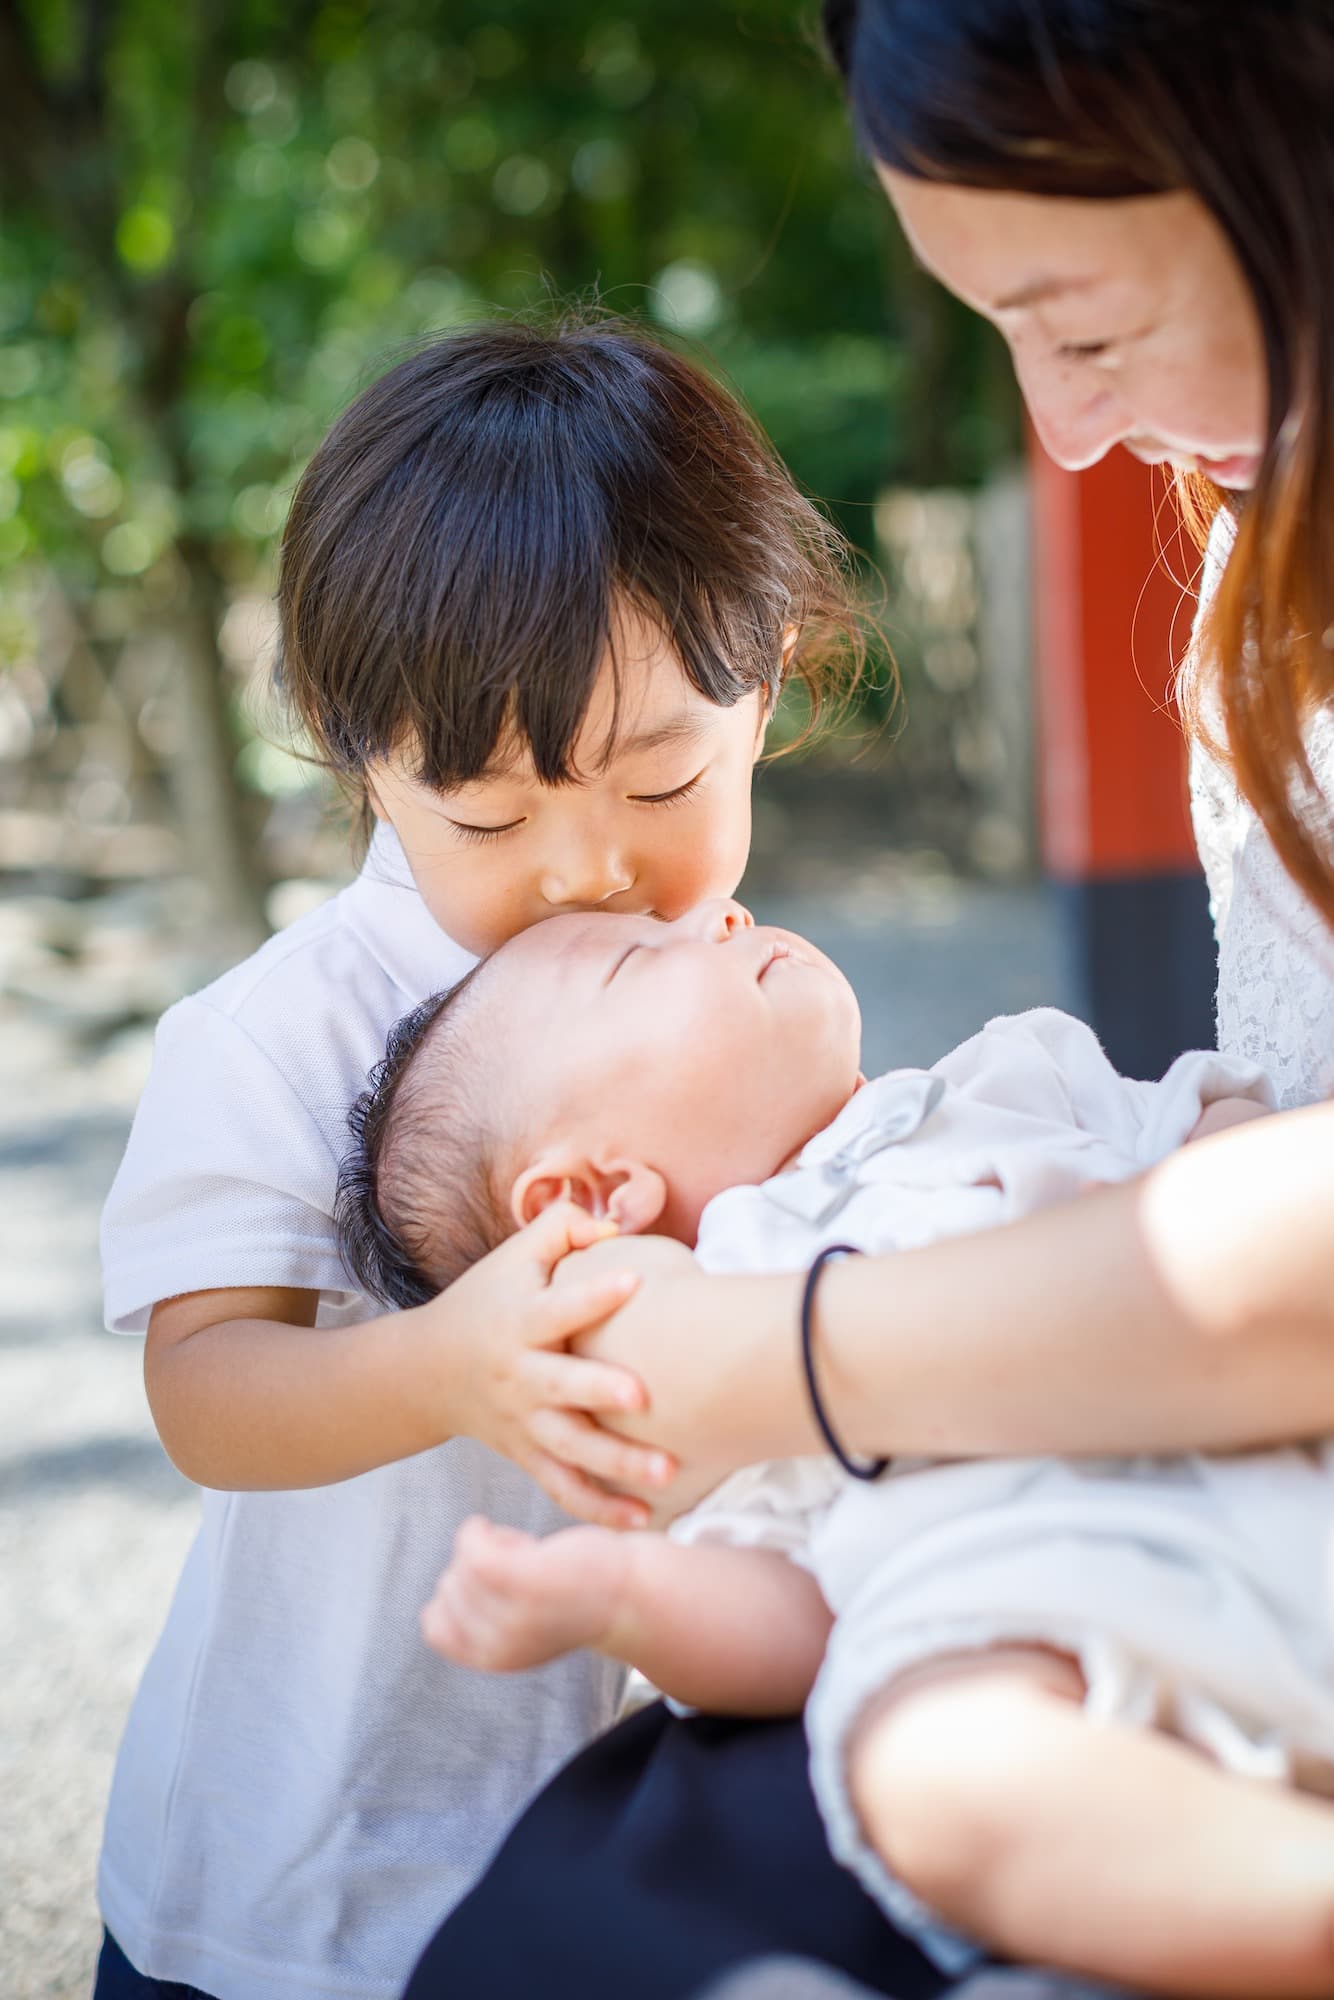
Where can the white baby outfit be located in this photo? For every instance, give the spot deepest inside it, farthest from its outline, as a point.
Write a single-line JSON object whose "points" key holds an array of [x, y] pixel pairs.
{"points": [[303, 1789], [1196, 1591]]}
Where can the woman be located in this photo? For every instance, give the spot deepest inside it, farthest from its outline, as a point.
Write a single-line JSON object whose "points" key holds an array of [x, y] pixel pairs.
{"points": [[1140, 194]]}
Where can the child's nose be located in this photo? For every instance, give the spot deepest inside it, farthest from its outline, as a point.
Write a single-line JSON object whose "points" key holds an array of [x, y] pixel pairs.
{"points": [[585, 879], [717, 918]]}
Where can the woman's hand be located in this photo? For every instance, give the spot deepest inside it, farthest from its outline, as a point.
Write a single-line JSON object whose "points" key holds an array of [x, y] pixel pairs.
{"points": [[717, 1355]]}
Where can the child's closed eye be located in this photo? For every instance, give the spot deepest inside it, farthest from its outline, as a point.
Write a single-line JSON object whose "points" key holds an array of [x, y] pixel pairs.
{"points": [[676, 797], [482, 833]]}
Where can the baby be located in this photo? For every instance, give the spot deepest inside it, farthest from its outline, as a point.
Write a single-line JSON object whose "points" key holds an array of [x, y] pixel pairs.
{"points": [[1095, 1624]]}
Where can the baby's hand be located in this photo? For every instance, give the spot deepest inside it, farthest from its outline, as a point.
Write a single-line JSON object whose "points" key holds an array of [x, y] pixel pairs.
{"points": [[502, 1334], [509, 1600]]}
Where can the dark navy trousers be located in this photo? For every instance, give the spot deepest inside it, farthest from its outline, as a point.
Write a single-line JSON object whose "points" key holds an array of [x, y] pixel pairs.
{"points": [[663, 1857]]}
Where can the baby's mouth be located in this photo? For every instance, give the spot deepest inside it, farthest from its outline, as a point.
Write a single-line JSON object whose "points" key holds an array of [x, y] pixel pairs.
{"points": [[776, 950]]}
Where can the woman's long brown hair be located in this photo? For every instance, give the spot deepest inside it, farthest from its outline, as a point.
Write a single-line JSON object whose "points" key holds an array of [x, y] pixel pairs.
{"points": [[1107, 99]]}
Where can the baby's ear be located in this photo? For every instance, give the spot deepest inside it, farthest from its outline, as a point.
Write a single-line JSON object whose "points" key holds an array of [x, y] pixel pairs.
{"points": [[637, 1195], [630, 1193], [552, 1178]]}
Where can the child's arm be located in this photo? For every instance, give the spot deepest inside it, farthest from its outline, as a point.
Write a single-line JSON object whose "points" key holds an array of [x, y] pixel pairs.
{"points": [[247, 1393], [726, 1630]]}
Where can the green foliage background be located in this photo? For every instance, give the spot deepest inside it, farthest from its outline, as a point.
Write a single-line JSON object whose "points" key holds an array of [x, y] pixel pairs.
{"points": [[221, 217]]}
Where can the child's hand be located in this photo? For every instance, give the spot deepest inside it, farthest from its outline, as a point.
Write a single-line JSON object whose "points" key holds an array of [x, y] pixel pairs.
{"points": [[509, 1600], [502, 1331]]}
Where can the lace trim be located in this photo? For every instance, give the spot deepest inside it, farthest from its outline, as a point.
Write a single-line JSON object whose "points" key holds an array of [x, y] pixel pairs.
{"points": [[1275, 951]]}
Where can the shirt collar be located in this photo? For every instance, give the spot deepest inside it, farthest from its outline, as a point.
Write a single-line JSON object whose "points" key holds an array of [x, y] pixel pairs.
{"points": [[384, 908]]}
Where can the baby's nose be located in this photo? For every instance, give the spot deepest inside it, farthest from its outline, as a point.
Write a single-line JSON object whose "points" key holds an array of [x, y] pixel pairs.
{"points": [[717, 918]]}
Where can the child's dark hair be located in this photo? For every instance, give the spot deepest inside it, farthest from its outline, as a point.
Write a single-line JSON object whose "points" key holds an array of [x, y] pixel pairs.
{"points": [[419, 1128], [457, 549]]}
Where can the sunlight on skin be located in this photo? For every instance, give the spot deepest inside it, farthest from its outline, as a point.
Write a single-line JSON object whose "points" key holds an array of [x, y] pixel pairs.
{"points": [[1129, 322], [659, 819]]}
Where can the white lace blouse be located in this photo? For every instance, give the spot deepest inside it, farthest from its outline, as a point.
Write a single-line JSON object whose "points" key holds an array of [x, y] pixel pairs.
{"points": [[1275, 951]]}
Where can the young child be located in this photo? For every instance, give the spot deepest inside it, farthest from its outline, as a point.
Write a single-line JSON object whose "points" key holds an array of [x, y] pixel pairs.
{"points": [[1005, 1634], [539, 590]]}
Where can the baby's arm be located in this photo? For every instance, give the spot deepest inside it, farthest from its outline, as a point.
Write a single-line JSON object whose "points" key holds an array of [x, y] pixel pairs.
{"points": [[729, 1631], [248, 1394], [1225, 1112]]}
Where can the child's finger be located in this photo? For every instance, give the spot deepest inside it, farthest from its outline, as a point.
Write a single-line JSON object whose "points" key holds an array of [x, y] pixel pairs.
{"points": [[561, 1228], [570, 1382], [572, 1309], [583, 1497], [576, 1439]]}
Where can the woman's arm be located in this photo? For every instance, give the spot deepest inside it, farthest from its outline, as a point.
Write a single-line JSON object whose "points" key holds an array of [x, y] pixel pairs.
{"points": [[1190, 1309]]}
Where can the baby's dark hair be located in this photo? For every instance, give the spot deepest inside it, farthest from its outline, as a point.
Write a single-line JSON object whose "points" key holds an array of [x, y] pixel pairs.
{"points": [[417, 1203], [459, 546]]}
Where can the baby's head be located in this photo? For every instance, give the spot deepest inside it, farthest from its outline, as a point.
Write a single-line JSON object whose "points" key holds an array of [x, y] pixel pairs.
{"points": [[640, 1067], [540, 587]]}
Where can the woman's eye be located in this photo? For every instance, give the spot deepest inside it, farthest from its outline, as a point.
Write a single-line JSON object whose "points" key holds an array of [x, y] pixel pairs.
{"points": [[1083, 350], [480, 834], [676, 797]]}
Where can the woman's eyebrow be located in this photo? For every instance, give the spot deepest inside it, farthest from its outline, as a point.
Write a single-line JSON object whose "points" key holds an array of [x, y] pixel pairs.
{"points": [[1037, 291]]}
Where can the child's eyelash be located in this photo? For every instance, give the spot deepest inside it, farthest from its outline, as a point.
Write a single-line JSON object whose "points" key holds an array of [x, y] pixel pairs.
{"points": [[480, 834], [676, 798]]}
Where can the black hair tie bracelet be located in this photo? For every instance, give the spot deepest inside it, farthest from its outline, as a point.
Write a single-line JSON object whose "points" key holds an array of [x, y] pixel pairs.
{"points": [[868, 1468]]}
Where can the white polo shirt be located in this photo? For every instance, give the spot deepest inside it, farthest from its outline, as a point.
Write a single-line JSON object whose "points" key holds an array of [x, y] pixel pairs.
{"points": [[303, 1789]]}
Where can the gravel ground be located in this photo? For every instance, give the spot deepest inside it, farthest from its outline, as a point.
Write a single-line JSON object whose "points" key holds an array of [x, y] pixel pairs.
{"points": [[93, 1520]]}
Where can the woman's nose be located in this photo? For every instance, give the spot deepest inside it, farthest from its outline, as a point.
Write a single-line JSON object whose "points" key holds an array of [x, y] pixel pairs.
{"points": [[715, 919], [1078, 419]]}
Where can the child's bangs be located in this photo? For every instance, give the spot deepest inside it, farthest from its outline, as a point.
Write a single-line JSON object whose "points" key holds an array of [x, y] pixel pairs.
{"points": [[466, 546], [536, 692]]}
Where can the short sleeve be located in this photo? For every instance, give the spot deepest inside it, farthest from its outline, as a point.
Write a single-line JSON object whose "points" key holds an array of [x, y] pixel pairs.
{"points": [[228, 1178], [1170, 1110], [1049, 1063], [1143, 1121], [771, 1506]]}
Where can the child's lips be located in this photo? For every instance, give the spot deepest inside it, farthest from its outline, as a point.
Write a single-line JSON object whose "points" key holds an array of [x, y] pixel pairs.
{"points": [[775, 951]]}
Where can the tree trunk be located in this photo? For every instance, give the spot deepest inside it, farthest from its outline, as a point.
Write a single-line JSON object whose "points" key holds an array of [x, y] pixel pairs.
{"points": [[201, 771]]}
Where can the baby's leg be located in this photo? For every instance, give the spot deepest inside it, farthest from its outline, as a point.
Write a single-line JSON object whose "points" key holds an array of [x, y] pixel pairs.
{"points": [[1101, 1848]]}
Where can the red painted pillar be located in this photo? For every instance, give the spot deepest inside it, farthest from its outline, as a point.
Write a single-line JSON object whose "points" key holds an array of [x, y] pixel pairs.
{"points": [[1111, 625]]}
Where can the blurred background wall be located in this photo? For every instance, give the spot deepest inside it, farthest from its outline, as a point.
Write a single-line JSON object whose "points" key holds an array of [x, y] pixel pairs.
{"points": [[220, 219]]}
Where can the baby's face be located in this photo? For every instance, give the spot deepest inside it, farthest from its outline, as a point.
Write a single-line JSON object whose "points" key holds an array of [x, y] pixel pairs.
{"points": [[638, 1057]]}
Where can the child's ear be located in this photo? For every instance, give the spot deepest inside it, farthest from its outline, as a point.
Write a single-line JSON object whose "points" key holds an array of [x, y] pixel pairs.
{"points": [[631, 1194], [791, 634]]}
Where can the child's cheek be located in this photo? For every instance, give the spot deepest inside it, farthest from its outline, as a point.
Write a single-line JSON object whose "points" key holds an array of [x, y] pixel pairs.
{"points": [[728, 853]]}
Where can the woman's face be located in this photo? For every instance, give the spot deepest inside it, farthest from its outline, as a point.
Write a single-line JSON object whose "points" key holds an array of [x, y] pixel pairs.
{"points": [[1130, 322]]}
